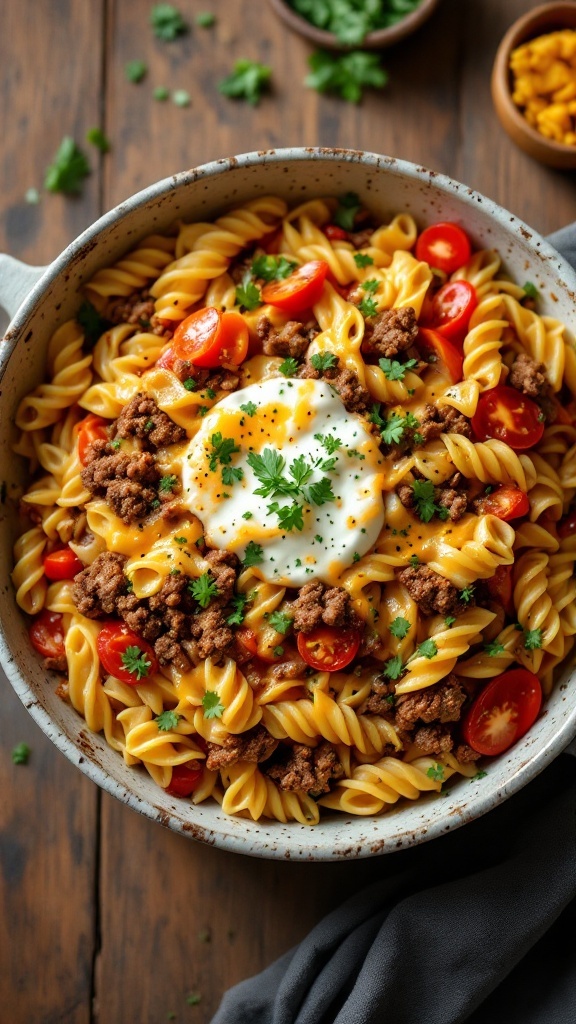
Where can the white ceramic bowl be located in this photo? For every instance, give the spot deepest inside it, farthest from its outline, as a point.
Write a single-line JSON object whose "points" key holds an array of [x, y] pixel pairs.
{"points": [[387, 186]]}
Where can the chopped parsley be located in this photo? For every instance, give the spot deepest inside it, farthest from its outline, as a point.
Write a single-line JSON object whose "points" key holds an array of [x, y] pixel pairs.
{"points": [[393, 370], [223, 450], [494, 648], [167, 484], [202, 410], [371, 286], [479, 775], [231, 474], [193, 998], [68, 169], [268, 468], [356, 558], [427, 649], [329, 442], [290, 517], [532, 639], [211, 705], [247, 515], [414, 561], [323, 361], [272, 268], [321, 492], [449, 621], [394, 668], [467, 594], [362, 259], [248, 296], [91, 322], [205, 19], [135, 71], [190, 384], [278, 651], [161, 93], [368, 307], [436, 772], [254, 554], [149, 425], [181, 540], [20, 753], [348, 206], [167, 22], [426, 508], [289, 367], [96, 137], [248, 81], [135, 662], [167, 721], [249, 408], [203, 589], [399, 627], [238, 602], [530, 290]]}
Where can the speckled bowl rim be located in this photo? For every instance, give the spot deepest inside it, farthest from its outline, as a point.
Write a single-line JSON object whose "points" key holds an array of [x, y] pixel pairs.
{"points": [[264, 842]]}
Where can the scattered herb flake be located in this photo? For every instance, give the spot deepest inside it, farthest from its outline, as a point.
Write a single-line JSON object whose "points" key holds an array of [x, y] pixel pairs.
{"points": [[238, 602], [399, 627], [136, 662], [289, 367], [91, 322], [248, 81], [203, 589], [68, 169], [211, 705], [97, 138], [167, 721], [345, 216], [530, 290], [345, 75], [161, 93], [20, 753], [394, 668], [427, 649], [368, 307], [253, 555], [436, 772], [135, 71], [532, 639], [167, 22], [205, 19], [323, 361], [249, 408], [467, 594], [362, 259], [494, 648], [167, 484]]}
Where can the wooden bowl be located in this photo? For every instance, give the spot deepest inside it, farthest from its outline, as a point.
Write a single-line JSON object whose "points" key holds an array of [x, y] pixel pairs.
{"points": [[541, 20], [373, 41]]}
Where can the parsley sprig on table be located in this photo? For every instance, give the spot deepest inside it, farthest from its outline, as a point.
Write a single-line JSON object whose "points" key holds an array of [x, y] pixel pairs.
{"points": [[136, 662], [20, 753], [167, 22], [345, 75], [68, 169], [248, 81]]}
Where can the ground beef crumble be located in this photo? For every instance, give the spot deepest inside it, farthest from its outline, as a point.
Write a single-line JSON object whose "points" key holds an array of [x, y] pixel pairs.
{"points": [[137, 308], [451, 495], [205, 379], [142, 419], [529, 377], [437, 420], [431, 591], [255, 746], [390, 332], [127, 482], [305, 768], [292, 339], [434, 739], [354, 397], [316, 604], [439, 703]]}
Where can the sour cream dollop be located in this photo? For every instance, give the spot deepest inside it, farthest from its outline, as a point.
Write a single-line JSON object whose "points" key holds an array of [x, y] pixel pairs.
{"points": [[296, 426]]}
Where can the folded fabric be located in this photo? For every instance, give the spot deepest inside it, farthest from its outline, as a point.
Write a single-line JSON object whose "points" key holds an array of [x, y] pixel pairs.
{"points": [[476, 926]]}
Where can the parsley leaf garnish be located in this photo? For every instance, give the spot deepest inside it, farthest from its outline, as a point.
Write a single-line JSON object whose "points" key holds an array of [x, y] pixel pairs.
{"points": [[532, 639], [224, 449], [135, 662], [249, 408], [167, 721], [248, 81], [494, 648], [68, 169], [91, 323], [346, 75], [135, 71], [530, 290], [97, 138], [20, 753], [467, 594], [167, 22], [449, 621], [371, 286], [414, 561], [205, 19], [167, 484], [230, 475], [238, 602], [423, 491], [427, 649], [362, 259], [329, 442], [436, 772], [399, 627], [394, 668], [392, 429], [345, 215], [393, 370], [321, 492], [280, 622], [479, 775], [272, 268], [203, 589], [211, 705], [268, 468], [254, 555], [290, 517], [323, 361], [248, 296], [368, 307], [289, 367], [190, 384], [300, 471]]}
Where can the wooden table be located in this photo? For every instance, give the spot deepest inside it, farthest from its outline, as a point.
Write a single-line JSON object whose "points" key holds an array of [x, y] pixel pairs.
{"points": [[105, 916]]}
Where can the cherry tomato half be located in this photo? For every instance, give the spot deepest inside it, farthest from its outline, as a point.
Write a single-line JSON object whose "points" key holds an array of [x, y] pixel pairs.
{"points": [[508, 415], [499, 587], [92, 428], [247, 637], [328, 649], [503, 712], [567, 525], [335, 234], [210, 338], [166, 360], [47, 634], [184, 780], [124, 654], [505, 503], [62, 564], [445, 246], [452, 307], [448, 359], [298, 291]]}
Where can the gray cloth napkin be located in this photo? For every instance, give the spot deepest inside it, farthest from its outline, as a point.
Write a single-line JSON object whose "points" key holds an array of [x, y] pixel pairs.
{"points": [[477, 926]]}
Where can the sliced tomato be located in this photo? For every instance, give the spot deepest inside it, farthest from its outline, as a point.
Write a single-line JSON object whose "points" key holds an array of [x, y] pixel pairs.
{"points": [[166, 360], [335, 234], [507, 415], [62, 564], [446, 356], [47, 634], [567, 525], [184, 780], [92, 428], [452, 307], [503, 712], [445, 246], [298, 291], [328, 649], [210, 338], [124, 654], [505, 502], [499, 587]]}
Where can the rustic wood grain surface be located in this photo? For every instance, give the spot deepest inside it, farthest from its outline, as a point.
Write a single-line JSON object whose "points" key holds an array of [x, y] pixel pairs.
{"points": [[106, 918]]}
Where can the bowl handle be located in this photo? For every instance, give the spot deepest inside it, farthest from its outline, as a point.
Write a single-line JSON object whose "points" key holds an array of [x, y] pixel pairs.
{"points": [[16, 281]]}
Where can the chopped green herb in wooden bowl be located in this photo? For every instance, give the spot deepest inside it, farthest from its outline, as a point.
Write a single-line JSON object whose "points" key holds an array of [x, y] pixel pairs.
{"points": [[346, 24]]}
